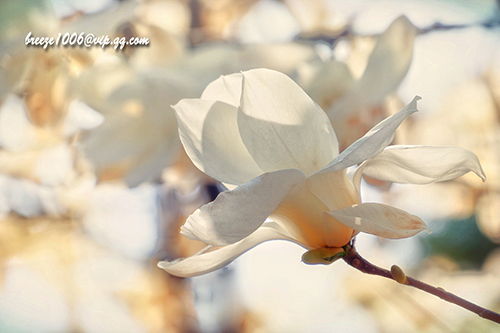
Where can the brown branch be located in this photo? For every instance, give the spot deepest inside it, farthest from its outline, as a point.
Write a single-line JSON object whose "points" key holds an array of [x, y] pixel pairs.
{"points": [[355, 260]]}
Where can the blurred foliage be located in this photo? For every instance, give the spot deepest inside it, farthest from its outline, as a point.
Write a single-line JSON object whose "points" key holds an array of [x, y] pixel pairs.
{"points": [[461, 241]]}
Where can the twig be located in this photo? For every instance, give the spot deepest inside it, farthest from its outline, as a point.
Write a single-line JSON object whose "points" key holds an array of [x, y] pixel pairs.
{"points": [[355, 260]]}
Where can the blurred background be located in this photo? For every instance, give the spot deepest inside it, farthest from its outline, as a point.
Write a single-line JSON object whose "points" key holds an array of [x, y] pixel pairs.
{"points": [[94, 183]]}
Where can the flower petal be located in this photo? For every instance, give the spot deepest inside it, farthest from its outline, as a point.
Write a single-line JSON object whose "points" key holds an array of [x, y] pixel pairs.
{"points": [[152, 160], [235, 214], [389, 61], [380, 220], [227, 88], [336, 233], [281, 126], [386, 68], [334, 189], [300, 213], [205, 262], [420, 164], [209, 134], [331, 81], [373, 142]]}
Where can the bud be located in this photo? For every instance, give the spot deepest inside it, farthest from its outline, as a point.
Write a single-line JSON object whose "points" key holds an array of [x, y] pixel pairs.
{"points": [[325, 255], [398, 274]]}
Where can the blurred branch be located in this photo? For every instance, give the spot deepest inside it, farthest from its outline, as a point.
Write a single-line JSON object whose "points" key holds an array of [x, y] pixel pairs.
{"points": [[331, 37], [355, 260]]}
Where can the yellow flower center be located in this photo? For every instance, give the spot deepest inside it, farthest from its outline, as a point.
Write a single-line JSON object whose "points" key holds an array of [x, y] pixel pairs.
{"points": [[301, 213]]}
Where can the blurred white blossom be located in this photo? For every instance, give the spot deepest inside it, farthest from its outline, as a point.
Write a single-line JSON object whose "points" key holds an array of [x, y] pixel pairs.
{"points": [[353, 101]]}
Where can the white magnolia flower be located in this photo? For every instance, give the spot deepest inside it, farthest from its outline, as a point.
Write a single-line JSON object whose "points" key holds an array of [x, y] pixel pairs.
{"points": [[138, 137], [259, 133], [353, 104]]}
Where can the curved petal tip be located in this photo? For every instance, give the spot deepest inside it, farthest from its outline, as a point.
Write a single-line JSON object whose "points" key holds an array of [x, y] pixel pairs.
{"points": [[380, 220]]}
